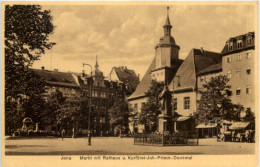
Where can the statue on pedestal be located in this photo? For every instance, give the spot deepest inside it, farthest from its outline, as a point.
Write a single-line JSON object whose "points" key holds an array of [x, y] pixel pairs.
{"points": [[165, 118], [165, 98]]}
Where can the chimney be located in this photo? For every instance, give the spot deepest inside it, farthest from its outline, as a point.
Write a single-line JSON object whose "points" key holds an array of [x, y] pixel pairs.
{"points": [[201, 49], [139, 77], [42, 68], [83, 73], [56, 70]]}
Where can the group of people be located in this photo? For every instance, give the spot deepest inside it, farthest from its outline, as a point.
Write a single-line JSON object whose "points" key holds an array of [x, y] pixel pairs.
{"points": [[248, 136]]}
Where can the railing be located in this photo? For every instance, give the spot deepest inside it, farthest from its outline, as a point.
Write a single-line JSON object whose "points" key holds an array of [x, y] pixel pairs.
{"points": [[164, 139]]}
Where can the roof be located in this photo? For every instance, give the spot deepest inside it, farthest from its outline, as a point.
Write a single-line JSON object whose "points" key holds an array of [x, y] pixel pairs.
{"points": [[211, 68], [144, 84], [127, 76], [197, 61], [211, 125], [57, 78], [225, 50], [239, 125], [180, 119]]}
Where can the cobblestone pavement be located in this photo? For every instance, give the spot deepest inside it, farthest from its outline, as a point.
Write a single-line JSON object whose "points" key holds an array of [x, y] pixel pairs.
{"points": [[119, 146]]}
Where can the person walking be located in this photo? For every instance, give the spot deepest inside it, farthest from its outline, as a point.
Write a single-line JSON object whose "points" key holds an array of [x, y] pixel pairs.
{"points": [[62, 133]]}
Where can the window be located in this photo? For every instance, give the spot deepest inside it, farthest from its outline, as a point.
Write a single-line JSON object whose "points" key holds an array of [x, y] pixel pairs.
{"points": [[238, 91], [162, 73], [178, 81], [231, 46], [229, 74], [249, 41], [248, 71], [153, 75], [229, 59], [248, 55], [186, 102], [157, 74], [143, 105], [136, 107], [175, 103], [239, 44], [238, 57], [248, 90], [238, 72], [201, 79]]}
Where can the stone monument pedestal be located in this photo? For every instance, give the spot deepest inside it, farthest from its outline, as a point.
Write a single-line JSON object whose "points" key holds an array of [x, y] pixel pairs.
{"points": [[165, 123]]}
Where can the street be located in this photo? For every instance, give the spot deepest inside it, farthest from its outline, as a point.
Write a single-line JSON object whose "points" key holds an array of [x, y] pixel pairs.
{"points": [[119, 146]]}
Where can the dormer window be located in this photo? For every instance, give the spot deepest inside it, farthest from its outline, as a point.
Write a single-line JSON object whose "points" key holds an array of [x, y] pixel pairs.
{"points": [[249, 40], [239, 44], [231, 46]]}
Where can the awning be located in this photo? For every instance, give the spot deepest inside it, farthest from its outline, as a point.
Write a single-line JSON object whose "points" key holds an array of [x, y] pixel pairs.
{"points": [[239, 125], [180, 119], [202, 126]]}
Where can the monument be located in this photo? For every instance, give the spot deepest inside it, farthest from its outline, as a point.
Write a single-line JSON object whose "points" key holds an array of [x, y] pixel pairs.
{"points": [[165, 123]]}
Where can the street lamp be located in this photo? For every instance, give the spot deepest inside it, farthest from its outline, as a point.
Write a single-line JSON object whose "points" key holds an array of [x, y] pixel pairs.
{"points": [[90, 96]]}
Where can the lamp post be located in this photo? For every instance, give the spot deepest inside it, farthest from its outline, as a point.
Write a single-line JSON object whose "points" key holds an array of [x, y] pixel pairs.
{"points": [[90, 98]]}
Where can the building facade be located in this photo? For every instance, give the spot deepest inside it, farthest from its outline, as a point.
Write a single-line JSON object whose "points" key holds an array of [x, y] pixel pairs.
{"points": [[186, 78], [239, 64]]}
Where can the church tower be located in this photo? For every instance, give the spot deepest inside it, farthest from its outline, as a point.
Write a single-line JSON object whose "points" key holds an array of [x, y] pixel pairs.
{"points": [[166, 55], [98, 76]]}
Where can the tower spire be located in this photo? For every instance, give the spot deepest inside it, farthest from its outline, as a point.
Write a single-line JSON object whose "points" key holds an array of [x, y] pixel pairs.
{"points": [[96, 66], [167, 27]]}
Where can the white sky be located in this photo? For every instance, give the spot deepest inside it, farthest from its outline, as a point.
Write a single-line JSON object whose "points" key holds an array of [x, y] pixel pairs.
{"points": [[126, 35]]}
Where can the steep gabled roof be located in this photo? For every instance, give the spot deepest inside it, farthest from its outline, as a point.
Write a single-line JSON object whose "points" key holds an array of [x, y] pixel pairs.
{"points": [[198, 60], [57, 78], [144, 84], [211, 69], [127, 76]]}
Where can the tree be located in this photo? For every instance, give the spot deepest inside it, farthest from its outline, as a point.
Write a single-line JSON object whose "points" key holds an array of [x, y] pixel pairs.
{"points": [[149, 113], [215, 102], [119, 114], [27, 30]]}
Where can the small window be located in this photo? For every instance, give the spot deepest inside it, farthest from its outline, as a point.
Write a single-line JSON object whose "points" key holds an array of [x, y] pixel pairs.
{"points": [[238, 57], [175, 103], [228, 59], [248, 55], [201, 79], [248, 90], [186, 103], [143, 105], [229, 74], [248, 71], [238, 91], [136, 107], [178, 81], [249, 41], [238, 72], [239, 44]]}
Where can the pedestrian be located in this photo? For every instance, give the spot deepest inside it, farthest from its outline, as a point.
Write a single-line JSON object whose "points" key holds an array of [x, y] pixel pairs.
{"points": [[62, 133], [73, 133]]}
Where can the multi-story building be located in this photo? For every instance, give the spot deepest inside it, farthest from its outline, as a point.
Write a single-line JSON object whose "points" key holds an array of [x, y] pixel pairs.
{"points": [[66, 83], [104, 94], [125, 76], [239, 64], [186, 82]]}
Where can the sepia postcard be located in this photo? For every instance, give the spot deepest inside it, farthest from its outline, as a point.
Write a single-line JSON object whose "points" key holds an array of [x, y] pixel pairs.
{"points": [[170, 83]]}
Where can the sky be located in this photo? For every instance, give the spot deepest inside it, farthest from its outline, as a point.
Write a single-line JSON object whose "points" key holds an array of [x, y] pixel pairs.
{"points": [[126, 35]]}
